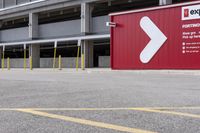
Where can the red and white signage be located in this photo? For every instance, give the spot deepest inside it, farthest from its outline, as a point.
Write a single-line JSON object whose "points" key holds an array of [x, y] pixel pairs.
{"points": [[191, 12], [157, 38], [156, 42]]}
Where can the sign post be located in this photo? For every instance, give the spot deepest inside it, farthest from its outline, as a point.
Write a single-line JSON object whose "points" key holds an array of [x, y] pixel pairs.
{"points": [[24, 56], [54, 57], [78, 53], [3, 54]]}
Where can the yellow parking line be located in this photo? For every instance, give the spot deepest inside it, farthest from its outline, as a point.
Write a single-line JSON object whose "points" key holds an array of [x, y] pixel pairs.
{"points": [[156, 110], [161, 110], [168, 112], [7, 109], [66, 109], [175, 108], [115, 109], [85, 122], [80, 109], [103, 109]]}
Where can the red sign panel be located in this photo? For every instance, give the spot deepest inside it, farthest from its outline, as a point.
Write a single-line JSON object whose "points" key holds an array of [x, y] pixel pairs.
{"points": [[163, 38]]}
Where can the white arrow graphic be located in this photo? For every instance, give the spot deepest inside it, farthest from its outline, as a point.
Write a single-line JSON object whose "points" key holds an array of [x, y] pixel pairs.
{"points": [[156, 36]]}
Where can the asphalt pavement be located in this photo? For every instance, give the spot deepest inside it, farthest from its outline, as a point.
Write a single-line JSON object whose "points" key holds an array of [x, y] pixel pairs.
{"points": [[99, 101]]}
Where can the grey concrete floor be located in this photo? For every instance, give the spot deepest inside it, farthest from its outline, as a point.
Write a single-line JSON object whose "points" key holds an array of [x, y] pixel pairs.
{"points": [[99, 95]]}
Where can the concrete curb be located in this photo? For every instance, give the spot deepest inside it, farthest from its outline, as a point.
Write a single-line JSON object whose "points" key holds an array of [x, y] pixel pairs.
{"points": [[103, 70]]}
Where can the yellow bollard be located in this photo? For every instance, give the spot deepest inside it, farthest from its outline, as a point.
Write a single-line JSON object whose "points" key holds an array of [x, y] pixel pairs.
{"points": [[8, 63], [77, 59], [54, 59], [24, 59], [31, 62], [83, 62], [2, 62], [60, 63]]}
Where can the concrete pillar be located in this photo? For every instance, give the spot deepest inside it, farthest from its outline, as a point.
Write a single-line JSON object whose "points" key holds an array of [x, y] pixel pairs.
{"points": [[34, 49], [165, 2], [1, 52], [85, 18], [86, 24], [87, 50], [33, 26], [34, 52], [3, 3]]}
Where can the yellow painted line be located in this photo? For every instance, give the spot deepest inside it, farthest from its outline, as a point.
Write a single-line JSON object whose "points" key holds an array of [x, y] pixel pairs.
{"points": [[66, 109], [105, 109], [85, 122], [175, 108], [152, 110], [8, 109], [116, 109], [80, 109], [168, 112]]}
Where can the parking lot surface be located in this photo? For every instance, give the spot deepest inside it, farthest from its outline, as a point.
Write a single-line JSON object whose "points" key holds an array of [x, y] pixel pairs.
{"points": [[99, 101]]}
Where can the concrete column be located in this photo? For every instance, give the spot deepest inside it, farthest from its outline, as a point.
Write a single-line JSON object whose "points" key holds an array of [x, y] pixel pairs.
{"points": [[34, 51], [165, 2], [1, 52], [87, 50], [3, 3], [85, 18], [86, 24], [33, 26]]}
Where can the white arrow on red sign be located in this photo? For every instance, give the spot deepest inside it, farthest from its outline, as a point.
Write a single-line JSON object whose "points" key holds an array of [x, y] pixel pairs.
{"points": [[156, 36]]}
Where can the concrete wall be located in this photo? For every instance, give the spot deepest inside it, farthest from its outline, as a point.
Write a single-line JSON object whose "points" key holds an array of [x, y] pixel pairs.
{"points": [[73, 27], [16, 63], [52, 30], [8, 3], [69, 62], [99, 24], [16, 34], [60, 29], [22, 1], [104, 61]]}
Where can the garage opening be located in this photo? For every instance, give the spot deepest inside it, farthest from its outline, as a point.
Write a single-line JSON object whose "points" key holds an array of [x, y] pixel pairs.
{"points": [[102, 54], [16, 56], [67, 51]]}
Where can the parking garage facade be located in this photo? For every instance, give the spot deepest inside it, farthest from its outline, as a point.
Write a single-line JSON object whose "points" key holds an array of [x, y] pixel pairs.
{"points": [[75, 30]]}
